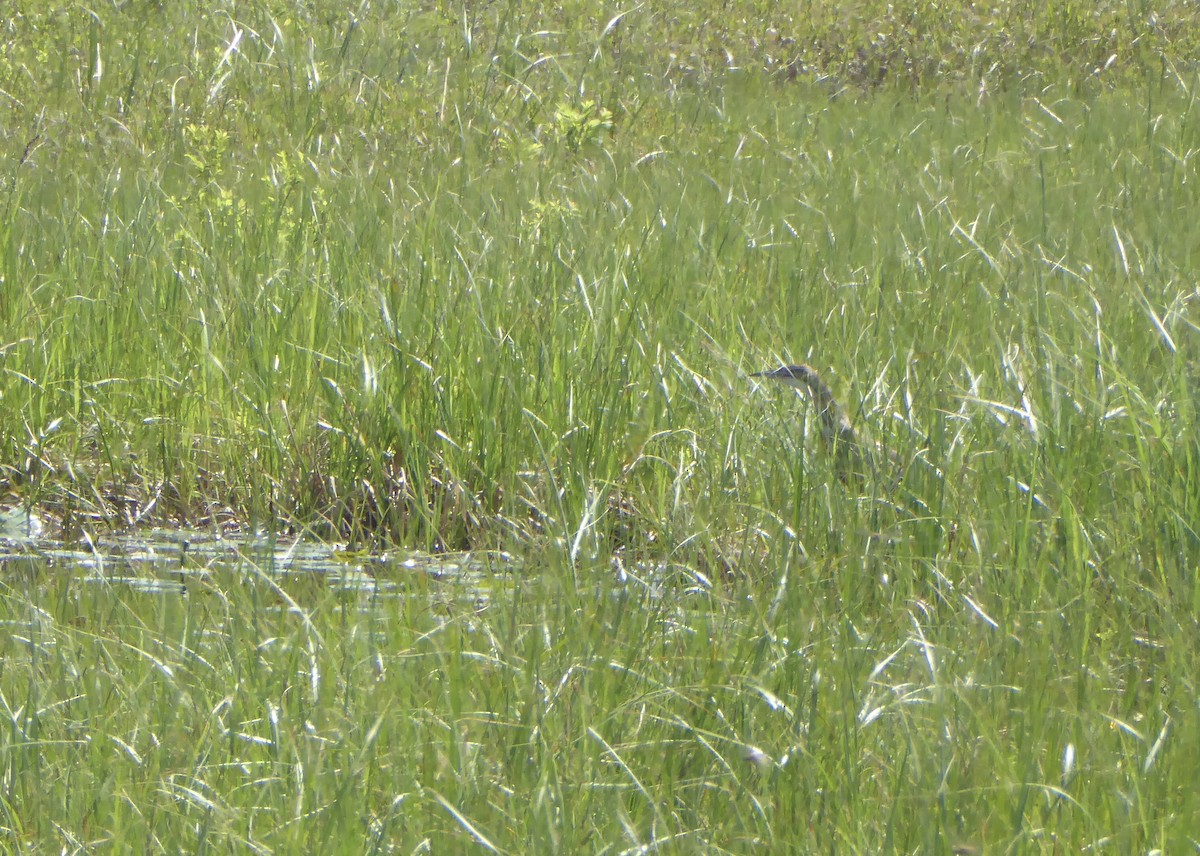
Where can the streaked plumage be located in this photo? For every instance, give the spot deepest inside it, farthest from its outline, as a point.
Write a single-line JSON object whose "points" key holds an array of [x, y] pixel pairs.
{"points": [[834, 425]]}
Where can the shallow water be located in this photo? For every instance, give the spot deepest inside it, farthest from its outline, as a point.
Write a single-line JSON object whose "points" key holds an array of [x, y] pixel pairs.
{"points": [[170, 561]]}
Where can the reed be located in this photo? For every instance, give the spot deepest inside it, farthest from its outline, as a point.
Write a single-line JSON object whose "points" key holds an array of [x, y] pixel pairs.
{"points": [[488, 277]]}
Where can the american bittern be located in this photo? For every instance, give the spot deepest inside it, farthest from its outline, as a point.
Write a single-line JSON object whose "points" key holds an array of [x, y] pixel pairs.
{"points": [[859, 462], [849, 454]]}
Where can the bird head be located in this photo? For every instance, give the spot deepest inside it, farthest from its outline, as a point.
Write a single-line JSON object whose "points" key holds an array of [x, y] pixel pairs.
{"points": [[802, 376]]}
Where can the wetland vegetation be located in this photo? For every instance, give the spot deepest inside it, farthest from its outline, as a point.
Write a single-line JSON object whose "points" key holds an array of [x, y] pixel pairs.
{"points": [[489, 281]]}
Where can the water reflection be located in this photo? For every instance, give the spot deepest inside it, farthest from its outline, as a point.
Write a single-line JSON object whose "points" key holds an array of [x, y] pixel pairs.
{"points": [[20, 526], [170, 561]]}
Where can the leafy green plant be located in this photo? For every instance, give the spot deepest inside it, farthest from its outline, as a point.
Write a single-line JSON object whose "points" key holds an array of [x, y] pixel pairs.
{"points": [[585, 124]]}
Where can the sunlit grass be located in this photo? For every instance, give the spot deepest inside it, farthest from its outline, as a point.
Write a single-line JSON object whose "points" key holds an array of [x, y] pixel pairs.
{"points": [[496, 279]]}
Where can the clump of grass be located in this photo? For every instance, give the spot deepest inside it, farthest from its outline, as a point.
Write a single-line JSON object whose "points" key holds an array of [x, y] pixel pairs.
{"points": [[327, 322]]}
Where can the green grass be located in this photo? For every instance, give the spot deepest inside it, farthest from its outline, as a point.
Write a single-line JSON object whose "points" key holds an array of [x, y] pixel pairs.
{"points": [[493, 276]]}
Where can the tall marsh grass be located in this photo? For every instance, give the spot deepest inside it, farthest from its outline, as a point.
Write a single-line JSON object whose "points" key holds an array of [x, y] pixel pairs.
{"points": [[494, 277]]}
